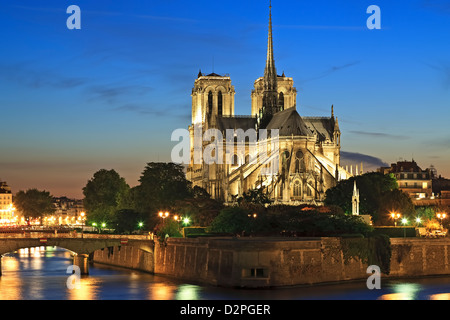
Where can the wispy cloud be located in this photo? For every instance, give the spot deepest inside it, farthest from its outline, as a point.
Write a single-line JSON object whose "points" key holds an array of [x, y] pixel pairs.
{"points": [[380, 135], [370, 163], [114, 93], [158, 112], [331, 70], [24, 74], [444, 71]]}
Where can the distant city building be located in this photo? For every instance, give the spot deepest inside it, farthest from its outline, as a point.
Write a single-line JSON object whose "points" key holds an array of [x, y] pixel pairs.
{"points": [[414, 181], [7, 210], [67, 212]]}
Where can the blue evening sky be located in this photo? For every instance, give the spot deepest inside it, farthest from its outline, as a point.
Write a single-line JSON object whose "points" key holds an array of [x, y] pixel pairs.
{"points": [[110, 95]]}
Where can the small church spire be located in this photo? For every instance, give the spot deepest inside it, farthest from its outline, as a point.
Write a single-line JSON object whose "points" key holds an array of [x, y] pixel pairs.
{"points": [[355, 200]]}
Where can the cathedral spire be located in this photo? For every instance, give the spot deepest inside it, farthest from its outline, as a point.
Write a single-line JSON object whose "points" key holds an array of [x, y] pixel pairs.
{"points": [[270, 94], [270, 73]]}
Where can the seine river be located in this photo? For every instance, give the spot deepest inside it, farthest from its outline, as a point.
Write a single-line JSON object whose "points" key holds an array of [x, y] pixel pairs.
{"points": [[41, 274]]}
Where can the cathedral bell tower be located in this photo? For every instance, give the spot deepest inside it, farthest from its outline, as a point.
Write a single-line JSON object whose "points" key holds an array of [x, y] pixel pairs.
{"points": [[212, 96]]}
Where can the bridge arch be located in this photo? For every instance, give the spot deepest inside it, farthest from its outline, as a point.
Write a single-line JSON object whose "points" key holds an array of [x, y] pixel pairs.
{"points": [[80, 247]]}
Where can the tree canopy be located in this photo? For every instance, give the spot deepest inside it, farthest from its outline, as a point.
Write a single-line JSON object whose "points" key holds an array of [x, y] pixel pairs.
{"points": [[34, 203], [289, 220], [379, 195], [102, 195], [161, 186]]}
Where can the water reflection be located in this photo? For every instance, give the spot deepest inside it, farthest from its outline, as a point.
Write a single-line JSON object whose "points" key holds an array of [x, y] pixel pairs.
{"points": [[161, 291], [403, 291], [41, 273], [187, 292], [86, 291], [440, 296]]}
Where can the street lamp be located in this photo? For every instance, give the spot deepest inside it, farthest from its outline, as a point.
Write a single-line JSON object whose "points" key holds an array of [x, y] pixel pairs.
{"points": [[140, 225], [83, 218], [418, 220], [163, 214], [441, 216], [395, 216], [404, 221]]}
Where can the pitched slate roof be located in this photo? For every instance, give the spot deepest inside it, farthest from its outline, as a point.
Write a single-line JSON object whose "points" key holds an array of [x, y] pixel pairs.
{"points": [[322, 126], [236, 122], [289, 123]]}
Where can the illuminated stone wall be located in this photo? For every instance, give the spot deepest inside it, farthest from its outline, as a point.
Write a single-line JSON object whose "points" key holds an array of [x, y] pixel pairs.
{"points": [[262, 262]]}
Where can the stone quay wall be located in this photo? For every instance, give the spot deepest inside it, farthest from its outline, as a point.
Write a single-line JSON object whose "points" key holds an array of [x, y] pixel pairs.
{"points": [[130, 257], [274, 262]]}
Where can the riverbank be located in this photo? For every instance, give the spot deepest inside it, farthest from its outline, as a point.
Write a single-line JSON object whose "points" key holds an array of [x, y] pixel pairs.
{"points": [[274, 262]]}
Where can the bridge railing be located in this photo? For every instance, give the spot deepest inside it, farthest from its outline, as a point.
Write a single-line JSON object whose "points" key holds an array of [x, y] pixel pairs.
{"points": [[71, 235]]}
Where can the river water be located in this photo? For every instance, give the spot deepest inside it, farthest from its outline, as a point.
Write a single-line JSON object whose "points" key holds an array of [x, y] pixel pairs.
{"points": [[41, 274]]}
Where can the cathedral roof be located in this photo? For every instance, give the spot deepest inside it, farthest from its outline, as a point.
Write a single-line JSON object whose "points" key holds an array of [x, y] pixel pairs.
{"points": [[289, 123], [322, 126], [236, 122]]}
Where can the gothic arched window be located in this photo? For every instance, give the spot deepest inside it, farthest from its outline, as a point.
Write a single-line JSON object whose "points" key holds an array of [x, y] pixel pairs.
{"points": [[297, 189], [235, 160], [281, 101], [210, 102], [220, 103]]}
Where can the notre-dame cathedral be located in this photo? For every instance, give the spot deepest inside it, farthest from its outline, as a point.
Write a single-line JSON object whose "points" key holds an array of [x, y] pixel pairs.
{"points": [[308, 151]]}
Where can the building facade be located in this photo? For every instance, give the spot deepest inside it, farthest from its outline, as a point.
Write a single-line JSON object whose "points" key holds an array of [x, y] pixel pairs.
{"points": [[411, 179], [302, 154], [7, 210], [67, 212]]}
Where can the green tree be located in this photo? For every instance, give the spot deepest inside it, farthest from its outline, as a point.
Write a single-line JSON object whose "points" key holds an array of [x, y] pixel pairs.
{"points": [[126, 221], [373, 188], [315, 222], [168, 227], [255, 196], [34, 203], [395, 201], [200, 208], [102, 195], [161, 186], [233, 220], [426, 213]]}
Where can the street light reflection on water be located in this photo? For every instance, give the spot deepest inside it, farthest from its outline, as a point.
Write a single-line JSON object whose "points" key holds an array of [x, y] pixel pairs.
{"points": [[40, 273]]}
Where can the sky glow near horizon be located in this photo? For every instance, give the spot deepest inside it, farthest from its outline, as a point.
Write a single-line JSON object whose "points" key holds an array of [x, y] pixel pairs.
{"points": [[110, 95]]}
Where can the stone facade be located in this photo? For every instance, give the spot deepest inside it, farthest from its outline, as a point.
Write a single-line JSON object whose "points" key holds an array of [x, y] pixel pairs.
{"points": [[7, 211], [257, 262]]}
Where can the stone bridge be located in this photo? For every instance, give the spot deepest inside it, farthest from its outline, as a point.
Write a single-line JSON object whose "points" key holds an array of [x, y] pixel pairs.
{"points": [[80, 245]]}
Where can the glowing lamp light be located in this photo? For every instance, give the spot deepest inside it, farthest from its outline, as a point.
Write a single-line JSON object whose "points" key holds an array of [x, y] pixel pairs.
{"points": [[441, 215]]}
